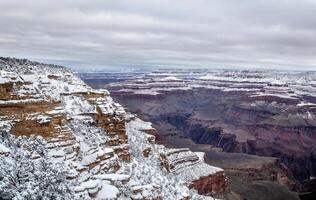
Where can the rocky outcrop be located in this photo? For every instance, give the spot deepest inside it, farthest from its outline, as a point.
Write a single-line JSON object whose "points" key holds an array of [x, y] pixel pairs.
{"points": [[107, 154], [48, 101], [174, 160], [213, 184]]}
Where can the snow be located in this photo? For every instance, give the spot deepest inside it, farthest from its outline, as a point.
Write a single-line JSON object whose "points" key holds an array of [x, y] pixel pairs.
{"points": [[90, 184], [23, 101], [201, 155], [108, 192], [307, 115], [56, 111], [306, 104], [5, 125], [283, 84], [75, 106], [42, 119], [138, 124], [3, 149], [9, 77], [209, 77], [197, 171], [3, 80], [91, 158], [79, 150], [113, 177], [171, 78], [29, 77], [56, 153], [148, 170], [147, 92], [284, 96]]}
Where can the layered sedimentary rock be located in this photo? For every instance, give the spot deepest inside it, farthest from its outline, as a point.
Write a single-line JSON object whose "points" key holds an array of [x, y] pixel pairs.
{"points": [[107, 153], [177, 160], [253, 112]]}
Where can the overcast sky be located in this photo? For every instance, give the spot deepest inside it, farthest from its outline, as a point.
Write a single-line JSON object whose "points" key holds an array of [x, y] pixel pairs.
{"points": [[86, 34]]}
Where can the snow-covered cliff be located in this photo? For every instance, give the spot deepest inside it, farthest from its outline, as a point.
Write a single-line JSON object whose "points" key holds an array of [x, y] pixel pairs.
{"points": [[61, 139]]}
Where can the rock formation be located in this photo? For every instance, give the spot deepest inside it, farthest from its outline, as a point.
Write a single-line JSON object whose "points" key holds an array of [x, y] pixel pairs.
{"points": [[261, 113], [49, 119]]}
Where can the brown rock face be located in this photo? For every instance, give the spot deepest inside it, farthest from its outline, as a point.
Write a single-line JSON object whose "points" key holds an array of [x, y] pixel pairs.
{"points": [[23, 108], [152, 135], [39, 117], [115, 128], [90, 96], [8, 90], [215, 184], [146, 152], [35, 113], [54, 77], [33, 127], [113, 124], [5, 90]]}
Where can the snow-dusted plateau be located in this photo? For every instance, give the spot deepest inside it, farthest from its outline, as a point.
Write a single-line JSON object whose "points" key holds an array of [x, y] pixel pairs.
{"points": [[257, 125], [61, 139], [166, 134]]}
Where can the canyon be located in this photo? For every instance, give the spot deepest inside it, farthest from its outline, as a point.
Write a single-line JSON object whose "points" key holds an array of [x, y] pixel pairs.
{"points": [[62, 139], [259, 126]]}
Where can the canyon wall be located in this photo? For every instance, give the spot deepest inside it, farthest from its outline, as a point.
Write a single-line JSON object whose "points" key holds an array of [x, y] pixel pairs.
{"points": [[56, 128], [264, 114]]}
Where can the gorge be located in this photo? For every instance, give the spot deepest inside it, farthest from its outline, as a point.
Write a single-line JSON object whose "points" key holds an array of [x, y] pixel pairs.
{"points": [[258, 125], [61, 139]]}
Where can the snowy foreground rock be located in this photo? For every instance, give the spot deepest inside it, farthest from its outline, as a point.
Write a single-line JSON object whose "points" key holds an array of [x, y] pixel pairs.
{"points": [[61, 139]]}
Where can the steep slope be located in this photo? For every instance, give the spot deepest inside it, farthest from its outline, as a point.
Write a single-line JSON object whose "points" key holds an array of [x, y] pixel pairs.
{"points": [[61, 139]]}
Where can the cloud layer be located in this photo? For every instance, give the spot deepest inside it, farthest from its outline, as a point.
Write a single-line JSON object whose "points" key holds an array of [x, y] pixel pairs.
{"points": [[173, 33]]}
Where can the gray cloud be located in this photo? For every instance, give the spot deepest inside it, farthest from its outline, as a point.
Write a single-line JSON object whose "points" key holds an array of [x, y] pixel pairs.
{"points": [[148, 33]]}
